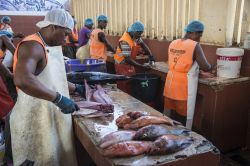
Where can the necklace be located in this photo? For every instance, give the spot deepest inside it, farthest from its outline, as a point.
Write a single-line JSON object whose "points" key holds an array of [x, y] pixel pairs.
{"points": [[42, 39]]}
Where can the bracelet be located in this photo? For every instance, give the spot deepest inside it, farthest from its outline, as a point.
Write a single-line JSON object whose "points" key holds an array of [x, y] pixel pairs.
{"points": [[58, 98]]}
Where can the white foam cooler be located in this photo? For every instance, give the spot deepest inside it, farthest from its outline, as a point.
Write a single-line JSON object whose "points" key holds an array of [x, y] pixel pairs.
{"points": [[229, 62]]}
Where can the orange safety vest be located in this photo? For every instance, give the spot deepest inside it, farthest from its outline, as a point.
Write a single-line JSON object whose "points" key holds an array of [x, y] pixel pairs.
{"points": [[97, 48], [134, 48], [2, 54], [180, 60], [33, 37], [74, 35]]}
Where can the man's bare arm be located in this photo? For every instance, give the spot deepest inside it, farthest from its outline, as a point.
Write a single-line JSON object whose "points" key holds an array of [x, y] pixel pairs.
{"points": [[29, 55]]}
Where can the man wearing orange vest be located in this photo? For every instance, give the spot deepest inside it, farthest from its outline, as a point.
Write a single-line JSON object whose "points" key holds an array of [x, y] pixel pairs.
{"points": [[98, 41], [41, 122], [185, 56], [70, 47], [129, 46]]}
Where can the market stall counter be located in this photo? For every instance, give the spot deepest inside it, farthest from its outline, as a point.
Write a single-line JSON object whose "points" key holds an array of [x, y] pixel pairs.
{"points": [[89, 132], [221, 111]]}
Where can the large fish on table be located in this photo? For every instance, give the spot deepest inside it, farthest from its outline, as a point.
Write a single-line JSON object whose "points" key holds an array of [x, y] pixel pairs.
{"points": [[151, 132], [169, 144], [127, 148], [94, 77], [147, 120], [116, 137], [127, 118]]}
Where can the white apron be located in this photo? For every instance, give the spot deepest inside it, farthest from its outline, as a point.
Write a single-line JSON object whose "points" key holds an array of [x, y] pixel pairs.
{"points": [[83, 52], [40, 132], [193, 76]]}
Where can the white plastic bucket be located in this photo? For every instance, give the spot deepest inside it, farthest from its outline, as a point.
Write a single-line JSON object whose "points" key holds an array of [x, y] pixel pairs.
{"points": [[229, 62]]}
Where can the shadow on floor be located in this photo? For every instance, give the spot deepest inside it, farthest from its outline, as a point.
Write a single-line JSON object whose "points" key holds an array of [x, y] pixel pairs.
{"points": [[236, 158]]}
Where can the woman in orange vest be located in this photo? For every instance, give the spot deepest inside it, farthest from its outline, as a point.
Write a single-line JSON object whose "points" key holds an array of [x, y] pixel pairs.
{"points": [[98, 41], [129, 46], [185, 56]]}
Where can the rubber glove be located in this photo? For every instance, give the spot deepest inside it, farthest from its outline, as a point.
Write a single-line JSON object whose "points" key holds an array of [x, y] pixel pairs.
{"points": [[66, 105], [80, 89]]}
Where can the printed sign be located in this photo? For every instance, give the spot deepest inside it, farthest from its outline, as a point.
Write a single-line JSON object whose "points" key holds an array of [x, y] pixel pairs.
{"points": [[31, 7]]}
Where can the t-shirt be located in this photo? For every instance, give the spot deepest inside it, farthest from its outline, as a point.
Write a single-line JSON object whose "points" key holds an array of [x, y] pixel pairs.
{"points": [[84, 36]]}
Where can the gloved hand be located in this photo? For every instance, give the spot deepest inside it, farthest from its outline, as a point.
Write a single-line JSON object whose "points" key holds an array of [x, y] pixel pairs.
{"points": [[80, 89], [67, 106]]}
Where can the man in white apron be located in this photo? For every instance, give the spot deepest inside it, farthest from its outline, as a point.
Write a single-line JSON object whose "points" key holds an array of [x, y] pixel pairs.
{"points": [[185, 56], [40, 122]]}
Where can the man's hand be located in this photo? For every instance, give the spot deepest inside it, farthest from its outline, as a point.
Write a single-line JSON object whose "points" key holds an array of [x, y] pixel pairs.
{"points": [[80, 89], [66, 105]]}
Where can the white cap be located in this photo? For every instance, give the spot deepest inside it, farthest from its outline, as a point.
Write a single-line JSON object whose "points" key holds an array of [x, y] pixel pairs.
{"points": [[58, 17]]}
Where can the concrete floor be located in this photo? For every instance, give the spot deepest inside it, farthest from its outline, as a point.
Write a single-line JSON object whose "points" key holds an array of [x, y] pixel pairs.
{"points": [[236, 158]]}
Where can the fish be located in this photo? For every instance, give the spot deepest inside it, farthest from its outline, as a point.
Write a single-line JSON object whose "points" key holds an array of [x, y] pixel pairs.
{"points": [[122, 120], [127, 148], [88, 92], [90, 113], [106, 108], [167, 144], [85, 112], [147, 120], [128, 118], [136, 114], [100, 96], [116, 137], [152, 132], [94, 77]]}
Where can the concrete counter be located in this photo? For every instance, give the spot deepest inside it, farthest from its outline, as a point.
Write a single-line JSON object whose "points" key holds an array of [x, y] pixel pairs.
{"points": [[221, 111], [90, 131]]}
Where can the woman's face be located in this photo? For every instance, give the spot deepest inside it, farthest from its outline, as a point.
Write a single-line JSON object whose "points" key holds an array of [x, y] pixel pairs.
{"points": [[137, 34]]}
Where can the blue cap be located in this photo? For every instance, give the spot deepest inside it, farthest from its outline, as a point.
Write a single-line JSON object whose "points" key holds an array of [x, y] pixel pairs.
{"points": [[6, 18], [194, 26], [102, 18], [88, 21], [136, 27]]}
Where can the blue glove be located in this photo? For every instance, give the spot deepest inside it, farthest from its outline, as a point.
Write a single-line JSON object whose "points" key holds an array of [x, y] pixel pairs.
{"points": [[80, 89], [67, 106]]}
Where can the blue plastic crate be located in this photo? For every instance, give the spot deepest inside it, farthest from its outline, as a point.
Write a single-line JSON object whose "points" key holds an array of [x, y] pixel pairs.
{"points": [[87, 65]]}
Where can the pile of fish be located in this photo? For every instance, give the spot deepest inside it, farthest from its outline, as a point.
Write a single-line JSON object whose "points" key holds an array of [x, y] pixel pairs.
{"points": [[97, 103], [135, 120], [145, 134]]}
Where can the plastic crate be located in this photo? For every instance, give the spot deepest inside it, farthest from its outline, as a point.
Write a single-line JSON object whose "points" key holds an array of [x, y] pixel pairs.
{"points": [[87, 65]]}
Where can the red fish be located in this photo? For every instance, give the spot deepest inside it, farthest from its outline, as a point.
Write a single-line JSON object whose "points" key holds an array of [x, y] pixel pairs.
{"points": [[127, 148], [169, 144], [116, 137], [147, 120]]}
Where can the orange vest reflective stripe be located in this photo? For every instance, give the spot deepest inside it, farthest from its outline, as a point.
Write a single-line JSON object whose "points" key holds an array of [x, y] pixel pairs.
{"points": [[134, 49], [33, 37], [74, 35], [2, 54], [180, 60], [97, 48]]}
